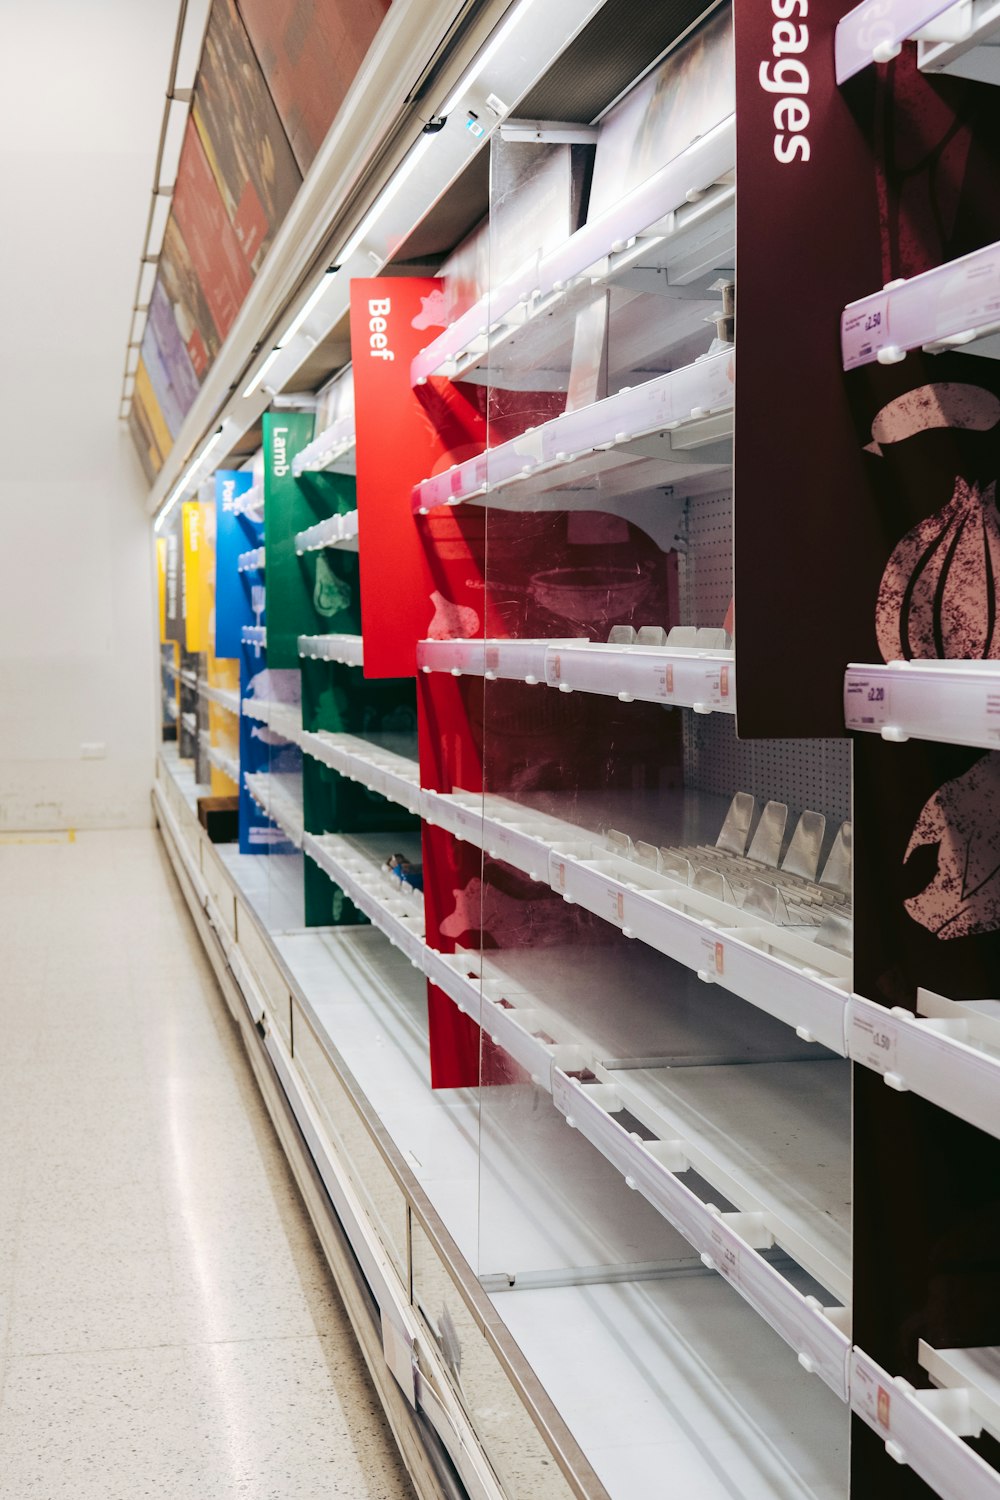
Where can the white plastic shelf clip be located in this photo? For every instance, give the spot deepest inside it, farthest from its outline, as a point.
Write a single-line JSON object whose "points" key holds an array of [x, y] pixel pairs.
{"points": [[400, 917], [332, 449], [252, 561]]}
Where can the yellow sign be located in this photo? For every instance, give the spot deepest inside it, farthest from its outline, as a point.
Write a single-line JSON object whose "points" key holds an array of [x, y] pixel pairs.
{"points": [[199, 567], [161, 584]]}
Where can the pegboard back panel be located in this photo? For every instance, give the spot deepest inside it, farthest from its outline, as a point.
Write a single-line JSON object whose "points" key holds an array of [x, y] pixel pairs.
{"points": [[812, 774], [705, 567]]}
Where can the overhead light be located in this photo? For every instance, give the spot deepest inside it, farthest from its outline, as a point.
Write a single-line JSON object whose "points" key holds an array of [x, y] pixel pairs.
{"points": [[401, 175], [182, 484], [480, 62], [306, 309], [255, 380]]}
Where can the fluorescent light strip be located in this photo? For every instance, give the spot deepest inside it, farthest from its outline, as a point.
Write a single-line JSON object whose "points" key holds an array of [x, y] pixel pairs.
{"points": [[255, 380], [182, 484], [492, 47], [305, 309]]}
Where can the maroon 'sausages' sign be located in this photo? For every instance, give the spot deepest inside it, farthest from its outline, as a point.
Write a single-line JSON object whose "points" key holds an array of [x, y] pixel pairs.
{"points": [[807, 243]]}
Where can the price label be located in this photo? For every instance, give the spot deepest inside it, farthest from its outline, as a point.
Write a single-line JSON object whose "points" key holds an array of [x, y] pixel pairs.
{"points": [[715, 955], [864, 331], [665, 680], [867, 703], [993, 716], [724, 682], [554, 664], [492, 658], [557, 874], [870, 1398], [726, 1255], [615, 905], [874, 1042]]}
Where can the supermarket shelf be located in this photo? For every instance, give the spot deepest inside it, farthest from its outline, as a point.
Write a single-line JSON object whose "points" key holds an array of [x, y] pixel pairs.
{"points": [[952, 306], [331, 451], [283, 718], [252, 561], [254, 635], [225, 763], [227, 698], [280, 799], [356, 865], [336, 531], [376, 764], [188, 678], [951, 702], [666, 420], [875, 30], [346, 649], [656, 667], [251, 502], [949, 1052], [963, 40], [170, 668], [768, 1209], [782, 970], [647, 225], [769, 1135], [918, 1427], [973, 1375], [190, 722], [955, 36]]}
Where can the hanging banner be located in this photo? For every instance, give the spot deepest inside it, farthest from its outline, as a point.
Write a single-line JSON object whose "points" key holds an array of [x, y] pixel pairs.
{"points": [[312, 594], [198, 563], [419, 576], [174, 583], [801, 522], [235, 533]]}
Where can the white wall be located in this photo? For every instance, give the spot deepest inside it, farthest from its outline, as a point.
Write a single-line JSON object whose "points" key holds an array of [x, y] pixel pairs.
{"points": [[81, 92]]}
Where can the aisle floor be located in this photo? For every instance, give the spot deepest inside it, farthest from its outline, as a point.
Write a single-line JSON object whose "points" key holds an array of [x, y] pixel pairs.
{"points": [[168, 1324]]}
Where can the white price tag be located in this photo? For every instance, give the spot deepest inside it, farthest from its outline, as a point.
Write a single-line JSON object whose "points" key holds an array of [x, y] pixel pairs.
{"points": [[874, 1042], [993, 716], [867, 703], [664, 679], [714, 961], [864, 331], [614, 905], [726, 1255], [557, 874], [870, 1398]]}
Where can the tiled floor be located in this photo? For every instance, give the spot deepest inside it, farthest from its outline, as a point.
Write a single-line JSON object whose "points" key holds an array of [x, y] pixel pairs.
{"points": [[168, 1326]]}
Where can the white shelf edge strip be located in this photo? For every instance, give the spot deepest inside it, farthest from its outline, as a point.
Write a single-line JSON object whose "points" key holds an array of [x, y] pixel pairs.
{"points": [[948, 306], [284, 718], [667, 402], [227, 698], [276, 804], [400, 917], [935, 1056], [702, 680], [335, 531], [346, 649], [224, 763], [326, 448], [951, 702], [719, 942], [392, 776], [875, 30], [254, 635], [679, 182], [248, 561], [907, 1422]]}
